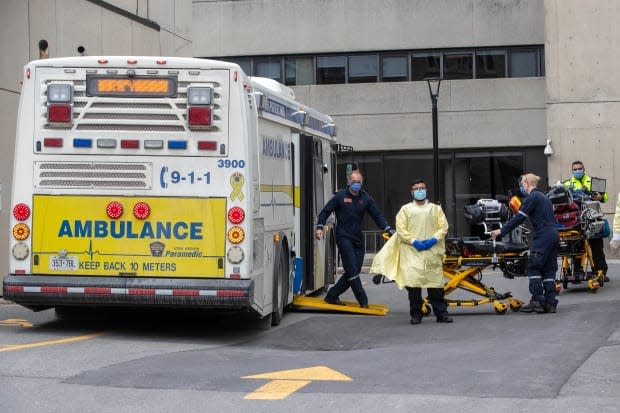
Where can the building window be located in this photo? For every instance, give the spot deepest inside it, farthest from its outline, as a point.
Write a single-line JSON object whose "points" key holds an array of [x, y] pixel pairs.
{"points": [[244, 62], [523, 63], [425, 65], [394, 68], [331, 70], [298, 71], [363, 68], [268, 67], [458, 65], [490, 64]]}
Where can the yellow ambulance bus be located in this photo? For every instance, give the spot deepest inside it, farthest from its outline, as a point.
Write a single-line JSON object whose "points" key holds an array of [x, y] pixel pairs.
{"points": [[166, 182]]}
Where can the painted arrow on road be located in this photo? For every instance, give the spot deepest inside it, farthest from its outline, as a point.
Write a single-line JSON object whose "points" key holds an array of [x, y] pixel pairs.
{"points": [[286, 382]]}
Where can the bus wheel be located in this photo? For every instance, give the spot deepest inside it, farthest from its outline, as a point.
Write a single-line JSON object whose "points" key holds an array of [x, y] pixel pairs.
{"points": [[280, 286]]}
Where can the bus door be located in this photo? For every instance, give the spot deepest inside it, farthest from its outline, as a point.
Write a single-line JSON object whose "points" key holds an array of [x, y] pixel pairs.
{"points": [[312, 199]]}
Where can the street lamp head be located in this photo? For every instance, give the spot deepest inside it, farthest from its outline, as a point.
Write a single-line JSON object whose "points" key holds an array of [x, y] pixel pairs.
{"points": [[433, 86]]}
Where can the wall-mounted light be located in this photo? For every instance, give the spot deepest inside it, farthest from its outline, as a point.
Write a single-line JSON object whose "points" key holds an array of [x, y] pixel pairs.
{"points": [[43, 49], [548, 149]]}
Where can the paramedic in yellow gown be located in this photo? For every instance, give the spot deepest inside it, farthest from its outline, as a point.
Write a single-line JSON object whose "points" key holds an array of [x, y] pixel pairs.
{"points": [[413, 258]]}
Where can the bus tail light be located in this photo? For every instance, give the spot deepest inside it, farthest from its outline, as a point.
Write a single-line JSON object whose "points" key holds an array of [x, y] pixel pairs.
{"points": [[59, 113], [141, 210], [21, 231], [21, 212], [199, 104], [236, 215], [236, 235], [59, 98], [20, 252], [199, 116]]}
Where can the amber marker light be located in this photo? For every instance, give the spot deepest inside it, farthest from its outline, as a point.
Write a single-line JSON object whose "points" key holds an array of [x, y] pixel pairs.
{"points": [[114, 210], [141, 210], [21, 231], [236, 235]]}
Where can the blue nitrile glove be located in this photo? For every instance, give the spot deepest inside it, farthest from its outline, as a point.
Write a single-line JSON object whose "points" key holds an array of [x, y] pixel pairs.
{"points": [[418, 245], [429, 243]]}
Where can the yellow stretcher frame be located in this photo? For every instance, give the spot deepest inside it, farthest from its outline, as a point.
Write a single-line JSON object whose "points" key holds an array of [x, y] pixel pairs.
{"points": [[461, 273], [585, 257]]}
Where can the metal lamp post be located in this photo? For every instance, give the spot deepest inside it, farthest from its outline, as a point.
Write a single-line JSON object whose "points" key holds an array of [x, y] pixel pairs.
{"points": [[433, 89]]}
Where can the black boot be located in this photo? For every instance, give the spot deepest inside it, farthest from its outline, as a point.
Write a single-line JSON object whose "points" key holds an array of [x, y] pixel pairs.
{"points": [[533, 307], [549, 308]]}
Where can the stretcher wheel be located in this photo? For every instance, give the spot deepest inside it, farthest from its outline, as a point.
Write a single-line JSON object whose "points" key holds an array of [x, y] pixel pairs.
{"points": [[500, 308], [426, 309], [515, 305], [593, 285]]}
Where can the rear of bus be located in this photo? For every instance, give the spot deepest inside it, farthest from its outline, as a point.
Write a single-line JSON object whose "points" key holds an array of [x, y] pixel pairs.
{"points": [[128, 188]]}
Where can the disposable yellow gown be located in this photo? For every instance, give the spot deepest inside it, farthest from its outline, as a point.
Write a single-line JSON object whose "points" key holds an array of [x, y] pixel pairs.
{"points": [[398, 260]]}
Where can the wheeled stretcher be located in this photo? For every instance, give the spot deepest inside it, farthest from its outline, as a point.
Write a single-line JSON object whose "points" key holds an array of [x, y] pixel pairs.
{"points": [[579, 220], [465, 260], [577, 262]]}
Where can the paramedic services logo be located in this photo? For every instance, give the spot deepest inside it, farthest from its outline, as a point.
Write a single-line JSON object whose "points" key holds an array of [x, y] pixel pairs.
{"points": [[157, 248]]}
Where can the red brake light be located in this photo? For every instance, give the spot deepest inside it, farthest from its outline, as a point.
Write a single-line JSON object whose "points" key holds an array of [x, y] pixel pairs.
{"points": [[114, 209], [236, 215], [199, 116], [59, 112], [141, 210], [21, 212]]}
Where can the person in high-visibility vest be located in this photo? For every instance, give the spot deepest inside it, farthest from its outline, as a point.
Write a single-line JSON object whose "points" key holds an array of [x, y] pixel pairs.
{"points": [[582, 182]]}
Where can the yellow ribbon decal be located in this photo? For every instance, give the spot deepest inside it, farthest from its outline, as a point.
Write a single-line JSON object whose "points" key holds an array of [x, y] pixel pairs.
{"points": [[236, 181]]}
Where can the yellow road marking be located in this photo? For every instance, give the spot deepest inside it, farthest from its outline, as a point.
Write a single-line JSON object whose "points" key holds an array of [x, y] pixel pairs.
{"points": [[12, 347], [16, 322], [285, 382], [276, 389]]}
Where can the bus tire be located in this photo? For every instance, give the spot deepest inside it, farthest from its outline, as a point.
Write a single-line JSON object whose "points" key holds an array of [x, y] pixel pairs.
{"points": [[280, 285]]}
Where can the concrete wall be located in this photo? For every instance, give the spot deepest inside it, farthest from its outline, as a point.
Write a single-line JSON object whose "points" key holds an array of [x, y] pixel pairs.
{"points": [[300, 26], [67, 24], [472, 113], [583, 91]]}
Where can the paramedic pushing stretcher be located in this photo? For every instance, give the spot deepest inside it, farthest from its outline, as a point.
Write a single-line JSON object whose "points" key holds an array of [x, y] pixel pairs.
{"points": [[542, 263], [350, 205]]}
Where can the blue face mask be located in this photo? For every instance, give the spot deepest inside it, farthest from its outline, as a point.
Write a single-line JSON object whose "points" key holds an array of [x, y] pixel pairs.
{"points": [[523, 191], [578, 173], [419, 194], [356, 186]]}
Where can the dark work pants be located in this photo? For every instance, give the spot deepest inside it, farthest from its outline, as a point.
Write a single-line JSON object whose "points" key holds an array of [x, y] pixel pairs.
{"points": [[352, 255], [542, 266], [598, 255], [435, 296]]}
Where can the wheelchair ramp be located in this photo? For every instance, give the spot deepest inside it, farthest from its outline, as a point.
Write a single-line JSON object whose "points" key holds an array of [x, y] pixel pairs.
{"points": [[300, 301]]}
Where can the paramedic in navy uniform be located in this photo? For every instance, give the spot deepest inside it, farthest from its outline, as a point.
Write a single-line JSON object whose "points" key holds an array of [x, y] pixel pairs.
{"points": [[350, 205], [543, 259]]}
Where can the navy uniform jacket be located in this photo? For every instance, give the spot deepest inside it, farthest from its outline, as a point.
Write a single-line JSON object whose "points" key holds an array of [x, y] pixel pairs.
{"points": [[350, 210], [540, 211]]}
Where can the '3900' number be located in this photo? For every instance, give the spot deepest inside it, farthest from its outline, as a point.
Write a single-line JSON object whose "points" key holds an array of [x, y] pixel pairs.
{"points": [[230, 163]]}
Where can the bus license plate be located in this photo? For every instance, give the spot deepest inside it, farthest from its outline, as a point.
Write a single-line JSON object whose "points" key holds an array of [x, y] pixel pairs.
{"points": [[63, 263]]}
